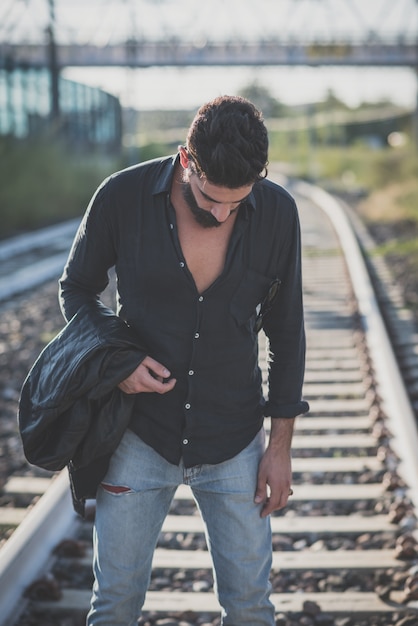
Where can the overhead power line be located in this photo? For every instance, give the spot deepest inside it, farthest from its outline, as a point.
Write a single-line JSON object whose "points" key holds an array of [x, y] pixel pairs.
{"points": [[108, 21]]}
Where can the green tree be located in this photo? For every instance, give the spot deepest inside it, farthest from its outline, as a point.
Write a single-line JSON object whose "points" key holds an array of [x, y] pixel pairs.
{"points": [[262, 98]]}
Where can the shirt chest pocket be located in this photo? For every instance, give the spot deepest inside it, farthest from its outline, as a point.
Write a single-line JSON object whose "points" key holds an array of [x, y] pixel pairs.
{"points": [[249, 295]]}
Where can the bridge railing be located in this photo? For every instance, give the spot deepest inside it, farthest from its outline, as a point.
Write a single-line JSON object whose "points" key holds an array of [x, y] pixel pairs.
{"points": [[175, 53]]}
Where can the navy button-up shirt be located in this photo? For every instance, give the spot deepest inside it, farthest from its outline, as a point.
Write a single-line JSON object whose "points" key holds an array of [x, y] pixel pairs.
{"points": [[207, 340]]}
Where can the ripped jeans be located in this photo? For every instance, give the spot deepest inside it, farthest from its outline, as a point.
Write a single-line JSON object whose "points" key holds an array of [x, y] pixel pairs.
{"points": [[131, 506]]}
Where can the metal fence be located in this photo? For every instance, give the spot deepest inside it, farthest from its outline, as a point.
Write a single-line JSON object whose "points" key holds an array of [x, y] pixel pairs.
{"points": [[86, 115]]}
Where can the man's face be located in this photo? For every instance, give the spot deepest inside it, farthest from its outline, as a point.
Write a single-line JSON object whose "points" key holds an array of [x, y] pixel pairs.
{"points": [[211, 204]]}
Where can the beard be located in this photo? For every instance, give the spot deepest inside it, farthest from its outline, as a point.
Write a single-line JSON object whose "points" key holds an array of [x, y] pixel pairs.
{"points": [[202, 216]]}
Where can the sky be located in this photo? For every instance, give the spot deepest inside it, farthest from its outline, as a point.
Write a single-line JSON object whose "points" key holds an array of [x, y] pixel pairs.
{"points": [[171, 88], [107, 21]]}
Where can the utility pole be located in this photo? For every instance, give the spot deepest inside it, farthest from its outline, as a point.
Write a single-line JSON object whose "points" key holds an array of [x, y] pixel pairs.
{"points": [[131, 116], [415, 116], [53, 65]]}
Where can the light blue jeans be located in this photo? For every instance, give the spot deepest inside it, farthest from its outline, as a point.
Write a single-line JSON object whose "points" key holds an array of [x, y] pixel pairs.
{"points": [[128, 524]]}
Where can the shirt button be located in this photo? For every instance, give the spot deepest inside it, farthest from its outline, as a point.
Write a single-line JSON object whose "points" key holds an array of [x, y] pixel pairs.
{"points": [[196, 335], [181, 264], [201, 299], [191, 372], [187, 406], [171, 226], [185, 441]]}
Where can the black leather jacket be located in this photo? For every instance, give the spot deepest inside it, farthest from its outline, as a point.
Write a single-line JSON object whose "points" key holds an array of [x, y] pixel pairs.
{"points": [[71, 411]]}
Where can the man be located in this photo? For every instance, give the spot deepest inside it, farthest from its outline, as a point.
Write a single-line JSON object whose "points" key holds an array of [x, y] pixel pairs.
{"points": [[206, 251]]}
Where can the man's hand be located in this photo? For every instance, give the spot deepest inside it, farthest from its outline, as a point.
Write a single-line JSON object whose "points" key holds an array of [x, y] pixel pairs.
{"points": [[275, 469], [149, 377]]}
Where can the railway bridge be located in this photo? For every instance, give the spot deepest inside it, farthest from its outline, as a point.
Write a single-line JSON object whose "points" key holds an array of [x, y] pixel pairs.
{"points": [[144, 33]]}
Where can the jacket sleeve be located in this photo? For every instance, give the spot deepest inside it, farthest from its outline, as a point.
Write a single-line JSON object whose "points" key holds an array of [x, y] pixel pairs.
{"points": [[92, 254], [284, 328]]}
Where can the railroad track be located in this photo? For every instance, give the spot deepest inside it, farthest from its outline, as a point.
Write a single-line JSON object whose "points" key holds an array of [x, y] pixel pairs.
{"points": [[345, 546], [29, 260]]}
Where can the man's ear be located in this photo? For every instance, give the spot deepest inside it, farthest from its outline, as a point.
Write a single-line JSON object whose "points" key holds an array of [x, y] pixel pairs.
{"points": [[184, 157]]}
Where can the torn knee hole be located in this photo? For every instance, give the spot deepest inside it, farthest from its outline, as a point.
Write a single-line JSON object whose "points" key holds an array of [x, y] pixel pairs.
{"points": [[116, 489]]}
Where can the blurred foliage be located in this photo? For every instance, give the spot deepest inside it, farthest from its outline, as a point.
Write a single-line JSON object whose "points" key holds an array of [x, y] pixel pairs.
{"points": [[391, 214], [43, 182], [263, 100]]}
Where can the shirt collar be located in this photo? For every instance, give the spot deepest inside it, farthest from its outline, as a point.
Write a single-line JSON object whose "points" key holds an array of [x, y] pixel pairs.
{"points": [[250, 203], [163, 184]]}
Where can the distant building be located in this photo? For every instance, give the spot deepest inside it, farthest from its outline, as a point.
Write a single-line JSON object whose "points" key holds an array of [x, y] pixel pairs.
{"points": [[86, 116]]}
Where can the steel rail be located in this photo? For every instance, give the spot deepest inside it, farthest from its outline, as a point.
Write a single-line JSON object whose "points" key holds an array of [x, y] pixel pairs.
{"points": [[31, 272], [392, 390], [28, 550]]}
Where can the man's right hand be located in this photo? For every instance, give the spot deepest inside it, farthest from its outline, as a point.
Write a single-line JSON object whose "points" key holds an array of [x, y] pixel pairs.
{"points": [[148, 377]]}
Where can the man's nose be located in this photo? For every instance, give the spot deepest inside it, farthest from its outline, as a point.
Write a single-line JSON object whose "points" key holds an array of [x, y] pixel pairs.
{"points": [[221, 212]]}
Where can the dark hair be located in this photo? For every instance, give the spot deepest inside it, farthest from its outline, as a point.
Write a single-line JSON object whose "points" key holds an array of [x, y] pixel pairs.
{"points": [[228, 143]]}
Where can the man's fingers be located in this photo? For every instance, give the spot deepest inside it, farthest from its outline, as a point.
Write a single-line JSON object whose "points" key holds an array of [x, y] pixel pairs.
{"points": [[271, 505], [149, 377], [158, 386], [157, 369], [272, 500], [158, 381], [260, 495], [262, 490]]}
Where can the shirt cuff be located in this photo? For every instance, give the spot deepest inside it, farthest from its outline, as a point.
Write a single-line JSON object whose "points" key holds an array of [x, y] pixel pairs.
{"points": [[273, 409]]}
